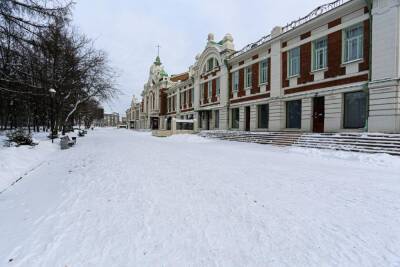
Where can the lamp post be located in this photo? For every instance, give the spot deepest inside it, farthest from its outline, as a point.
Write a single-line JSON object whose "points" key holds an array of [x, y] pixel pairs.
{"points": [[52, 95]]}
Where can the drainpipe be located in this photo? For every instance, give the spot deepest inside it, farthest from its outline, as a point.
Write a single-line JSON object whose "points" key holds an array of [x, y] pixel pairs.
{"points": [[366, 89]]}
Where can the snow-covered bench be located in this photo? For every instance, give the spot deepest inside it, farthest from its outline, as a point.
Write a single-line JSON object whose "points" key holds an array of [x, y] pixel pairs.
{"points": [[66, 142]]}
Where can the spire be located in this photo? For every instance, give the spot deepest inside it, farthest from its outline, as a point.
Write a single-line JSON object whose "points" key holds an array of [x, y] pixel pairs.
{"points": [[158, 61]]}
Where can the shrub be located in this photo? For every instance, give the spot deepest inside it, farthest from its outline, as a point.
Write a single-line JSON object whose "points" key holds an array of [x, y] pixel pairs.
{"points": [[20, 138]]}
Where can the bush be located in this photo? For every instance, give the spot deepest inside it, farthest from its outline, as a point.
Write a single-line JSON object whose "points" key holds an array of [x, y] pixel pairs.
{"points": [[20, 138]]}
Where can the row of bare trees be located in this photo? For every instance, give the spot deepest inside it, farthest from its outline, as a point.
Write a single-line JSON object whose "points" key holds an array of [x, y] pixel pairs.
{"points": [[49, 73]]}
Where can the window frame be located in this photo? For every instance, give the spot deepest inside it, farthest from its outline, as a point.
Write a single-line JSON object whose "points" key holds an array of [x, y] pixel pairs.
{"points": [[218, 86], [209, 89], [345, 126], [259, 117], [287, 114], [360, 46], [290, 62], [232, 118], [235, 81], [260, 75], [315, 54], [201, 91], [248, 74]]}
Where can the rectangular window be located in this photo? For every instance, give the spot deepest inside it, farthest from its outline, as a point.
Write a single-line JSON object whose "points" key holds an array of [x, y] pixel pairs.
{"points": [[355, 110], [235, 118], [216, 119], [192, 95], [210, 64], [201, 91], [263, 72], [263, 116], [353, 44], [247, 74], [294, 62], [320, 53], [209, 89], [235, 81], [218, 86], [293, 114]]}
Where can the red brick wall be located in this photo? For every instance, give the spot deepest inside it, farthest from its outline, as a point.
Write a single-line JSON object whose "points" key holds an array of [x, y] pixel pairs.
{"points": [[285, 81], [321, 85], [254, 79], [268, 87], [230, 85], [305, 64], [334, 23], [205, 93], [214, 90], [190, 98], [305, 35], [335, 55], [365, 65], [163, 102], [241, 91]]}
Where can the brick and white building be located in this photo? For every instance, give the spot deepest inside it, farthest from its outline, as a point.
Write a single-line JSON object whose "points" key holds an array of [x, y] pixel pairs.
{"points": [[335, 70]]}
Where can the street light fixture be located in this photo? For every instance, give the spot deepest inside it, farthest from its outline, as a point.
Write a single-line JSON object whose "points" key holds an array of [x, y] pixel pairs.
{"points": [[52, 92]]}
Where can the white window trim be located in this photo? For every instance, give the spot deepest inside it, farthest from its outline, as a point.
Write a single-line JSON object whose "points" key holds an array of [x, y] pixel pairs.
{"points": [[209, 91], [313, 52], [289, 75], [266, 72], [344, 44], [218, 87], [235, 81], [246, 72]]}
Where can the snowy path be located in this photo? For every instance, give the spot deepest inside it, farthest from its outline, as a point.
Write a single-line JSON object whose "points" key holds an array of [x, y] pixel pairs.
{"points": [[121, 198]]}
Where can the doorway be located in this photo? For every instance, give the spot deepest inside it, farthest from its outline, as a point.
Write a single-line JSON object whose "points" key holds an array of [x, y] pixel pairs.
{"points": [[247, 121], [318, 114]]}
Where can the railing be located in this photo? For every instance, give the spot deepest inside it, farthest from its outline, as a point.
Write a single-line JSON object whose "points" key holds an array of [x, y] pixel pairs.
{"points": [[313, 14], [292, 25], [251, 46]]}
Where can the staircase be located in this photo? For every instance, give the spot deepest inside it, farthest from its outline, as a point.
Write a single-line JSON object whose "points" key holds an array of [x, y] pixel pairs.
{"points": [[268, 138], [355, 142], [368, 143]]}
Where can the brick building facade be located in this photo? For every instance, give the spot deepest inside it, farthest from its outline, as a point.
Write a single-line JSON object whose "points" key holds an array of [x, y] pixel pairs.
{"points": [[335, 70]]}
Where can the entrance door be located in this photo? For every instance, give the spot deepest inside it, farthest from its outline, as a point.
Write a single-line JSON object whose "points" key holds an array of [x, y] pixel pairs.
{"points": [[209, 114], [247, 114], [154, 123], [319, 114]]}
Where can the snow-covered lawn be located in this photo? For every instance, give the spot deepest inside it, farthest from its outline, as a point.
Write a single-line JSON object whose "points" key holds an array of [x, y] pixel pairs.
{"points": [[16, 162], [123, 198]]}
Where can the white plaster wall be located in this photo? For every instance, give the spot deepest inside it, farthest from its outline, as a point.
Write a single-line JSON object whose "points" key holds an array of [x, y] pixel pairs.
{"points": [[223, 119], [385, 39], [306, 112], [241, 119], [253, 117], [333, 113], [275, 115], [384, 115], [276, 69]]}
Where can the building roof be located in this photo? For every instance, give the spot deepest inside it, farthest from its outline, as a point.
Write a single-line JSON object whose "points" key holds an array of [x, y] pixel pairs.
{"points": [[180, 77]]}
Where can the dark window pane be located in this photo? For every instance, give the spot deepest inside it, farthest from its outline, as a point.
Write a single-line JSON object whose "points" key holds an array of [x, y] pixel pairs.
{"points": [[235, 118], [355, 110], [263, 116], [217, 119], [293, 114]]}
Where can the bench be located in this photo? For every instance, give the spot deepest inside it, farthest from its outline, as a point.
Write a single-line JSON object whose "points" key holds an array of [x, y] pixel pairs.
{"points": [[66, 142]]}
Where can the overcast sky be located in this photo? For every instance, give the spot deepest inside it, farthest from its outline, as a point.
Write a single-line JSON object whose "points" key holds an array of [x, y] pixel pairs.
{"points": [[129, 30]]}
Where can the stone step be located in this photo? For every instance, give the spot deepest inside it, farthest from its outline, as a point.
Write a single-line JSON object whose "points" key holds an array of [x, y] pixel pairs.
{"points": [[364, 150]]}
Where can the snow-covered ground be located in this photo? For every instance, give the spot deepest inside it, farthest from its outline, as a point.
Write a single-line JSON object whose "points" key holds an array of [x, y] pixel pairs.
{"points": [[123, 198], [16, 162]]}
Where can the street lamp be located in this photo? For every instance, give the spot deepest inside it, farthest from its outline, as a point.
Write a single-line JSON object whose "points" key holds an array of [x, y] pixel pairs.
{"points": [[52, 92]]}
